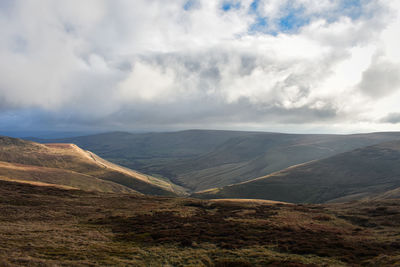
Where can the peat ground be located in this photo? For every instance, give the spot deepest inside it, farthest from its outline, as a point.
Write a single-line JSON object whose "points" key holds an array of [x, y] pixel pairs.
{"points": [[46, 226]]}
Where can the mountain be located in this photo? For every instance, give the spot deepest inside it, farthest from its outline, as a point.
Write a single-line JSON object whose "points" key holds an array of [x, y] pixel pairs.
{"points": [[372, 171], [203, 159], [69, 165]]}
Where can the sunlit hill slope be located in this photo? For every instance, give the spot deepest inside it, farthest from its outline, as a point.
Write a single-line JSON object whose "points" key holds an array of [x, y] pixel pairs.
{"points": [[69, 165]]}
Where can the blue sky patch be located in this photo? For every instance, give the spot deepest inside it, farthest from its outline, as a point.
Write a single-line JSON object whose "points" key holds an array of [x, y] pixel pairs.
{"points": [[189, 4], [226, 6], [292, 21], [352, 8], [293, 17], [259, 25], [254, 6]]}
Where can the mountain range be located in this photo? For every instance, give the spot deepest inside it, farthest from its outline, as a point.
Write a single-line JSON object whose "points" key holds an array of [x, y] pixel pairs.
{"points": [[199, 160]]}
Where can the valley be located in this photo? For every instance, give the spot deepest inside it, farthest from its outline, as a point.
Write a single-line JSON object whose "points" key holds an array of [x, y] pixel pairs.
{"points": [[200, 133], [63, 205], [209, 163]]}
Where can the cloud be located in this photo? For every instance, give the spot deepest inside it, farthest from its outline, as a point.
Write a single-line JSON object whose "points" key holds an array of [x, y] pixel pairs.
{"points": [[142, 64], [393, 118], [147, 83], [381, 79]]}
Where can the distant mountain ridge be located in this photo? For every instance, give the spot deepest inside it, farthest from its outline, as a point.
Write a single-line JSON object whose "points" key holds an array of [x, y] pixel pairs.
{"points": [[69, 165], [204, 159], [371, 172]]}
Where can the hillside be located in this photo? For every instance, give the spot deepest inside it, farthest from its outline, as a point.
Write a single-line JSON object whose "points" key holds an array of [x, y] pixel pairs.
{"points": [[200, 160], [35, 174], [46, 226], [362, 173], [69, 165], [242, 159]]}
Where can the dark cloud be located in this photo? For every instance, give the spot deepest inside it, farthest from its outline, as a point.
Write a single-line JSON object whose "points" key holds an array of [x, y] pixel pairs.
{"points": [[393, 118]]}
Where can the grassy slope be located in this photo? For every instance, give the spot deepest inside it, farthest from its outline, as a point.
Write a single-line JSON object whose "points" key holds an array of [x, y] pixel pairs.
{"points": [[59, 177], [352, 175], [395, 193], [261, 155], [204, 159], [44, 226], [67, 164], [36, 183]]}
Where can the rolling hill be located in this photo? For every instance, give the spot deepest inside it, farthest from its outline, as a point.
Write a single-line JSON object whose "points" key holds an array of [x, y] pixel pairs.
{"points": [[203, 159], [47, 226], [69, 165], [368, 172]]}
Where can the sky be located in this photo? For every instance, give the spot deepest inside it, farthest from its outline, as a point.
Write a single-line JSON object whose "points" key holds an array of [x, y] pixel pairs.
{"points": [[302, 66]]}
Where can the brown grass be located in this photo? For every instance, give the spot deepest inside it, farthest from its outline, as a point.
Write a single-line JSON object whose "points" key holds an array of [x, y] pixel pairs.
{"points": [[38, 183], [47, 226], [250, 201], [60, 177], [26, 160]]}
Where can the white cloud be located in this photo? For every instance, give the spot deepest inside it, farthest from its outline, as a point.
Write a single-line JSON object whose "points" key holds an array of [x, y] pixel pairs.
{"points": [[147, 83], [101, 60]]}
